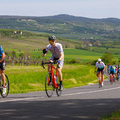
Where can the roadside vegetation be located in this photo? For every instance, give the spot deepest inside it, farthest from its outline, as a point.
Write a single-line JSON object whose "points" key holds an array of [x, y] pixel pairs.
{"points": [[25, 79], [113, 116]]}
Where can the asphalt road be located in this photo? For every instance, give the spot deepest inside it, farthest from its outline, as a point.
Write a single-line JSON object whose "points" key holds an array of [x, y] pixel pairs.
{"points": [[84, 103]]}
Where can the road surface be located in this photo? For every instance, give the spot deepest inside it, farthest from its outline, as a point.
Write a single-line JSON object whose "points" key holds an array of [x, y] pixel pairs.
{"points": [[83, 103]]}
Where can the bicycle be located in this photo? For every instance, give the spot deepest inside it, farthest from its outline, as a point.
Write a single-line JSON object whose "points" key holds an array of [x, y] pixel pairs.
{"points": [[51, 81], [112, 79], [6, 85]]}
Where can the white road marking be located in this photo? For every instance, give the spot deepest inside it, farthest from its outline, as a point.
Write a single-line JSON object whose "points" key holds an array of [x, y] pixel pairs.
{"points": [[79, 93], [71, 94], [21, 99]]}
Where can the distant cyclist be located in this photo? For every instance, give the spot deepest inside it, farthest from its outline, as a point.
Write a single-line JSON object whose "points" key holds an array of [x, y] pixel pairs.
{"points": [[101, 68], [112, 71], [118, 72], [57, 54], [2, 68]]}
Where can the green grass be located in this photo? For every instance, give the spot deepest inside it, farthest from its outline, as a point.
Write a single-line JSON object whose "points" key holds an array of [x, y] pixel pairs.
{"points": [[25, 79], [113, 116], [82, 55]]}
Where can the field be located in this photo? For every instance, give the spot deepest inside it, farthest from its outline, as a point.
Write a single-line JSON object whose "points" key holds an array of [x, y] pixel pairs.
{"points": [[25, 79]]}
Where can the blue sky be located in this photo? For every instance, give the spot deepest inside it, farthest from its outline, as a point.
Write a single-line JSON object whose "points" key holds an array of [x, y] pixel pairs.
{"points": [[83, 8]]}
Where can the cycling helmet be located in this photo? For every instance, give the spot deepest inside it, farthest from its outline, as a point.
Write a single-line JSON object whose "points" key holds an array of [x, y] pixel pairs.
{"points": [[112, 67], [52, 38], [99, 60]]}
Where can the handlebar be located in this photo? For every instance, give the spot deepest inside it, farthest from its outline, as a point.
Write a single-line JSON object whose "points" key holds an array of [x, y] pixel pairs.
{"points": [[43, 62]]}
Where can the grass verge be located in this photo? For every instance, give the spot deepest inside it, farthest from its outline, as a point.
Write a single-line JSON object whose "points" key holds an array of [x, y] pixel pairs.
{"points": [[25, 79]]}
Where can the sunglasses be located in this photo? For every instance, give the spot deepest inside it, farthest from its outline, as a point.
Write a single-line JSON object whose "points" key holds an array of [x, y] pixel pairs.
{"points": [[51, 40]]}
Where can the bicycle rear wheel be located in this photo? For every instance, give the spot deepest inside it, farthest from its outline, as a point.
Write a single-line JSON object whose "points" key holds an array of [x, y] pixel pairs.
{"points": [[58, 91], [6, 85], [49, 85]]}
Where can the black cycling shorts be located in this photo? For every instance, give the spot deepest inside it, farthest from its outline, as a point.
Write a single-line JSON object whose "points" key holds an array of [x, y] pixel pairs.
{"points": [[2, 65], [100, 70]]}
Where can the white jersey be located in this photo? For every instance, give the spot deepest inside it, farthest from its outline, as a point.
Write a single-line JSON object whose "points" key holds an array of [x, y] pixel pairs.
{"points": [[100, 66], [55, 50]]}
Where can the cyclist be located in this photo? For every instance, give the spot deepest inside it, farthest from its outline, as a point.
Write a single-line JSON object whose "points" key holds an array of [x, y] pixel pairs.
{"points": [[116, 69], [118, 72], [101, 68], [57, 55], [2, 68], [112, 71]]}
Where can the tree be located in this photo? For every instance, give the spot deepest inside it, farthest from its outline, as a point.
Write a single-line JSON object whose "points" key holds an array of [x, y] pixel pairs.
{"points": [[13, 54], [107, 58]]}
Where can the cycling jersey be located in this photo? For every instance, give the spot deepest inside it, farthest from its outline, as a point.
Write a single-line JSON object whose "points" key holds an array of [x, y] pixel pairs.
{"points": [[56, 52], [112, 71], [1, 51], [2, 64], [100, 65]]}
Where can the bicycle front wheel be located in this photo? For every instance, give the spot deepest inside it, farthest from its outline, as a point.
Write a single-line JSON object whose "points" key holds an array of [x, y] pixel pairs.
{"points": [[49, 85], [7, 87]]}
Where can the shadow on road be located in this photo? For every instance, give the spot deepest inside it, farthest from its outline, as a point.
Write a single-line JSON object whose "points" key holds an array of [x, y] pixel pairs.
{"points": [[70, 109]]}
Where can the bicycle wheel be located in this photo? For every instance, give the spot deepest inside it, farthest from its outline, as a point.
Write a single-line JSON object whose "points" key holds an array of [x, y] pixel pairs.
{"points": [[58, 91], [49, 86], [7, 87], [111, 79]]}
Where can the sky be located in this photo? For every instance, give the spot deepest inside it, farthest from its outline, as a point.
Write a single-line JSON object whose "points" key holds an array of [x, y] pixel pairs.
{"points": [[82, 8]]}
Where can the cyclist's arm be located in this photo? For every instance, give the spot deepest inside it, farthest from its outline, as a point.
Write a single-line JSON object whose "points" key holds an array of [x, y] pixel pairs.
{"points": [[43, 55], [44, 52], [3, 56], [61, 56], [104, 69], [95, 68]]}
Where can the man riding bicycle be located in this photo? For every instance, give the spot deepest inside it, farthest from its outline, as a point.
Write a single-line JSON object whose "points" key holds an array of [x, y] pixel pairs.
{"points": [[101, 68], [57, 55], [112, 71], [2, 68]]}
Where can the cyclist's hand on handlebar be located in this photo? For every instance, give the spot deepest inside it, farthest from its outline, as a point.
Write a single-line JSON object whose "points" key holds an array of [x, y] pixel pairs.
{"points": [[58, 62]]}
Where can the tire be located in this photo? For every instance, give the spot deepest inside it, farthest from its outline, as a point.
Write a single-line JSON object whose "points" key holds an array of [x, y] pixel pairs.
{"points": [[111, 80], [58, 91], [49, 88], [7, 87]]}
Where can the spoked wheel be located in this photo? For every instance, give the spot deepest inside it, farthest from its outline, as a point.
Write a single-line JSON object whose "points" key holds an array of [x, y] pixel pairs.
{"points": [[58, 91], [6, 85], [49, 86]]}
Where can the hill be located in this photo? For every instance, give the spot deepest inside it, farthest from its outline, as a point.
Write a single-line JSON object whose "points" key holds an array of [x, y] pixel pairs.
{"points": [[61, 24], [90, 32]]}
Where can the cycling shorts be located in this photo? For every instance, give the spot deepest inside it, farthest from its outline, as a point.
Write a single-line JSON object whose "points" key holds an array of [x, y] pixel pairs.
{"points": [[100, 70], [112, 72], [2, 65], [61, 61]]}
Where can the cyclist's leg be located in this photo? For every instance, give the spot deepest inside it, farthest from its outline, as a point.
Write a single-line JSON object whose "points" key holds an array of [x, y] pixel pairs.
{"points": [[60, 72], [98, 75], [49, 65], [2, 73]]}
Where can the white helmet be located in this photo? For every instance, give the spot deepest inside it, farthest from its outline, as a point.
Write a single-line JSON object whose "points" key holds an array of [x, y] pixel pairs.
{"points": [[99, 60]]}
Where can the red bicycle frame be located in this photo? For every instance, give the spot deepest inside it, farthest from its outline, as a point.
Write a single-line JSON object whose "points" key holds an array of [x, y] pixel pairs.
{"points": [[53, 79], [52, 75]]}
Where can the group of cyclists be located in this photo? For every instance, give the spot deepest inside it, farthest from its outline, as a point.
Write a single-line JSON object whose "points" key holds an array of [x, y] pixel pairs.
{"points": [[58, 55], [113, 70]]}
